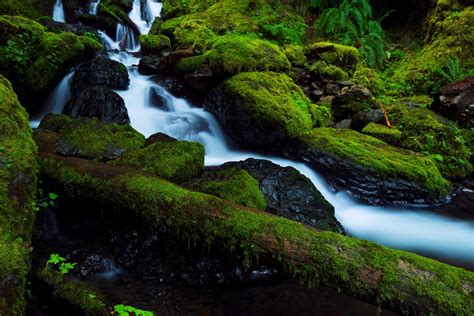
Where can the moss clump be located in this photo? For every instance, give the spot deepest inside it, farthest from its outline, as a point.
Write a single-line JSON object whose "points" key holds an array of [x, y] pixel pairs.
{"points": [[113, 9], [177, 161], [233, 185], [91, 139], [391, 136], [324, 71], [73, 292], [342, 56], [17, 199], [368, 78], [33, 9], [428, 133], [295, 54], [55, 122], [275, 104], [379, 157], [154, 44]]}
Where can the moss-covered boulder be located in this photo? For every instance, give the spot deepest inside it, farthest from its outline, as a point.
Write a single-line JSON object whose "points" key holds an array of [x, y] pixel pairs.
{"points": [[17, 200], [264, 109], [372, 170], [234, 53], [389, 135], [32, 9], [295, 54], [424, 131], [324, 71], [230, 184], [154, 44], [351, 100], [89, 138], [34, 60], [176, 161], [346, 57]]}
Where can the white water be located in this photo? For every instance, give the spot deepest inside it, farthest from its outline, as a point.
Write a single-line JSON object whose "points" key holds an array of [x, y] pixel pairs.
{"points": [[58, 11], [416, 230], [93, 6]]}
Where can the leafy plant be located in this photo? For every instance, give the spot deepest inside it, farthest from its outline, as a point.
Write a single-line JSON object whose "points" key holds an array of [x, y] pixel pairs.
{"points": [[351, 22], [60, 262], [125, 310], [44, 202], [454, 70]]}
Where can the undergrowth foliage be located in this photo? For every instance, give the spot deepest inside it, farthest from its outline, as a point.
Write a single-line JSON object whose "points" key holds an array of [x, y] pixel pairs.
{"points": [[352, 23]]}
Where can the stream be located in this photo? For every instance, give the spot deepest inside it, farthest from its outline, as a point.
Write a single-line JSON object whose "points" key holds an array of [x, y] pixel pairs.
{"points": [[420, 230]]}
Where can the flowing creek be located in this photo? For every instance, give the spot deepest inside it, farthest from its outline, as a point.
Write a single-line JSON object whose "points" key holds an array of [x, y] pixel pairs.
{"points": [[420, 230]]}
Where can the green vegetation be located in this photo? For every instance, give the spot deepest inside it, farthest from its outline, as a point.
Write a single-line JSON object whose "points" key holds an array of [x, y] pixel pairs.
{"points": [[346, 57], [176, 161], [60, 263], [379, 157], [233, 185], [154, 44], [273, 101], [18, 171], [322, 70], [391, 136], [125, 310]]}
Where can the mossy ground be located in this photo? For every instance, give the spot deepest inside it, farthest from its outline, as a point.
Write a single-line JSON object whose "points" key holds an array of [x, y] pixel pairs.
{"points": [[389, 135]]}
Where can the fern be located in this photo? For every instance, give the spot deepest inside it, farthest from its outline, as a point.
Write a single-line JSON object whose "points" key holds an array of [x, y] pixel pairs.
{"points": [[352, 23], [453, 70]]}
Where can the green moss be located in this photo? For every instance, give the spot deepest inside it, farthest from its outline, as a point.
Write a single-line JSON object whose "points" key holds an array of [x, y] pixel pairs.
{"points": [[368, 78], [424, 131], [325, 71], [342, 56], [176, 161], [391, 136], [189, 64], [379, 157], [356, 267], [55, 122], [32, 9], [17, 192], [75, 293], [89, 138], [275, 100], [233, 185], [295, 54], [154, 44], [113, 9]]}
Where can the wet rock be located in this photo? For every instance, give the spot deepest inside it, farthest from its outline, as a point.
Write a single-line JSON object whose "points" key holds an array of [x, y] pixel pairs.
{"points": [[100, 102], [200, 82], [350, 100], [149, 65], [362, 118], [457, 102], [107, 24], [290, 194], [173, 84], [344, 124], [159, 138], [73, 9], [58, 27], [100, 71]]}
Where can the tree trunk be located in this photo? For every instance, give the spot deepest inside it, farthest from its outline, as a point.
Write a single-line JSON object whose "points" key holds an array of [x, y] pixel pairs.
{"points": [[390, 278]]}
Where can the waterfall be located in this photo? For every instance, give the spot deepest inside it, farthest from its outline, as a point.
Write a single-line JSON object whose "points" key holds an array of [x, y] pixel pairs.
{"points": [[421, 231], [93, 6], [58, 12]]}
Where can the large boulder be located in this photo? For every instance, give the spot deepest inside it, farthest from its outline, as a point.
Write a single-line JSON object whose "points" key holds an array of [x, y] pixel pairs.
{"points": [[100, 71], [107, 24], [457, 102], [290, 194], [100, 102], [86, 138], [263, 109], [352, 99]]}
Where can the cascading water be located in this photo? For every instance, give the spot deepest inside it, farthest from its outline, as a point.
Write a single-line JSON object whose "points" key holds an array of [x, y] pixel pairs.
{"points": [[93, 6], [416, 230], [58, 11], [126, 39]]}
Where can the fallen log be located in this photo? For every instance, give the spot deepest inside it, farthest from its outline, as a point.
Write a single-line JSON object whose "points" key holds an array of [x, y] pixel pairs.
{"points": [[389, 278]]}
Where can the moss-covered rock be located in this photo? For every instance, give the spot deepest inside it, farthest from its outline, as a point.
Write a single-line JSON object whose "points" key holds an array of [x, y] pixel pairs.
{"points": [[234, 53], [176, 161], [390, 174], [264, 109], [295, 54], [154, 44], [369, 78], [231, 184], [17, 200], [346, 57], [32, 9], [391, 136], [91, 139], [424, 131], [324, 71]]}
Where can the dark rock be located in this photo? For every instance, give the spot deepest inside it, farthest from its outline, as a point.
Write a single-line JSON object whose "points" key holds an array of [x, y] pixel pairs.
{"points": [[73, 9], [290, 194], [457, 102], [200, 82], [149, 65], [159, 138], [350, 100], [100, 71], [58, 27], [107, 24], [362, 118], [344, 124], [160, 100], [100, 102], [172, 84]]}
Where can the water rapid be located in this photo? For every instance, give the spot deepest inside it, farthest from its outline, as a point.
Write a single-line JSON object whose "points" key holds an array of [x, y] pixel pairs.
{"points": [[58, 11], [418, 230]]}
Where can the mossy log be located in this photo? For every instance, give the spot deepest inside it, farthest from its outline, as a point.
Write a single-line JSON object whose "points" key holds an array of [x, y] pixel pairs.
{"points": [[390, 278]]}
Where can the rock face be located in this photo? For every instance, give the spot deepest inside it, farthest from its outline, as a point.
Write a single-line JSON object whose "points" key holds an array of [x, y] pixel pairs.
{"points": [[105, 23], [457, 102], [99, 102], [149, 65], [290, 194], [100, 71]]}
